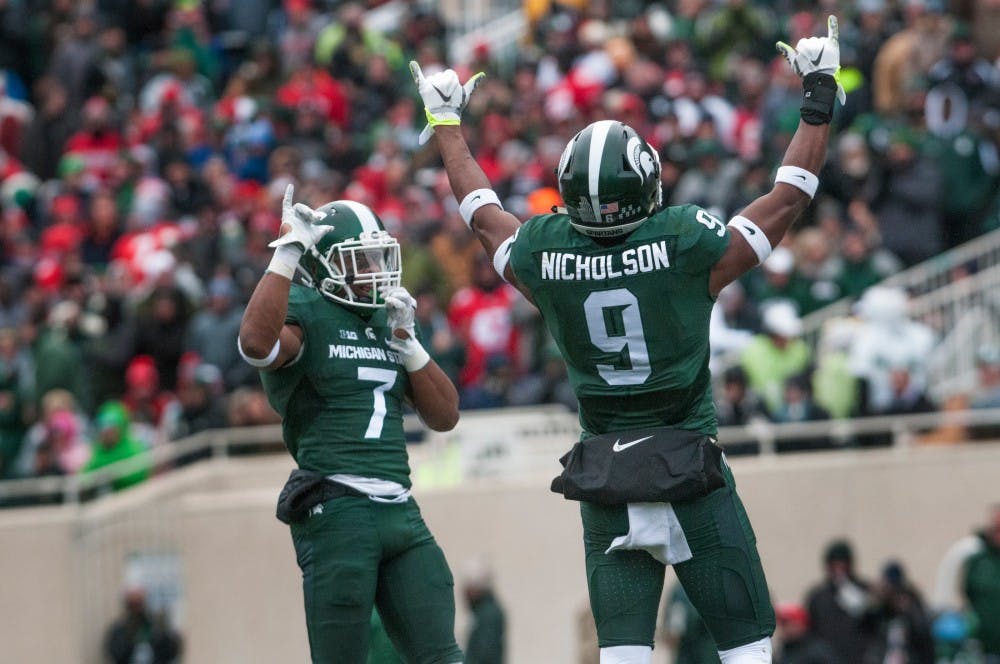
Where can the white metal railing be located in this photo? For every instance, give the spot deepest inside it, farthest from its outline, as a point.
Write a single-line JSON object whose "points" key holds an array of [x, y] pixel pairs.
{"points": [[500, 32], [530, 442], [934, 274]]}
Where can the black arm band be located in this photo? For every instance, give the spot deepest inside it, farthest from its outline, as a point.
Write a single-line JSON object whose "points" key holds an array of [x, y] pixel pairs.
{"points": [[817, 101]]}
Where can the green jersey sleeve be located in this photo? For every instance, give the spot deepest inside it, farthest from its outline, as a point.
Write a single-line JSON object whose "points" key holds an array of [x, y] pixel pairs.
{"points": [[702, 238]]}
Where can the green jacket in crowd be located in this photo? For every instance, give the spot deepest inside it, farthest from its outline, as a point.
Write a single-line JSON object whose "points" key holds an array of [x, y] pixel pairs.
{"points": [[113, 416]]}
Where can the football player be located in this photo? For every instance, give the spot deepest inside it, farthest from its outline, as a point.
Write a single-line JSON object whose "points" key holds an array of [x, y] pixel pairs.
{"points": [[626, 287], [339, 355]]}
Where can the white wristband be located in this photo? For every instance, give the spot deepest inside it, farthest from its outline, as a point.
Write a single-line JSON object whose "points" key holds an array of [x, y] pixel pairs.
{"points": [[262, 362], [416, 360], [799, 178], [285, 259], [754, 236], [475, 200]]}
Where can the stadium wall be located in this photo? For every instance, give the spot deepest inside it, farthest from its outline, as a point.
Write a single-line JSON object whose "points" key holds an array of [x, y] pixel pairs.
{"points": [[238, 596]]}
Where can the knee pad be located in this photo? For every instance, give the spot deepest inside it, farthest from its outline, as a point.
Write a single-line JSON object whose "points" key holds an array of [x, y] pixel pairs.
{"points": [[627, 655], [758, 652]]}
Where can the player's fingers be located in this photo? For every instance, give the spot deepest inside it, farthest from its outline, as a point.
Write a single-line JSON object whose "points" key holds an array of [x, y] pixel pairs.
{"points": [[833, 29], [473, 83], [286, 202], [418, 75], [786, 50]]}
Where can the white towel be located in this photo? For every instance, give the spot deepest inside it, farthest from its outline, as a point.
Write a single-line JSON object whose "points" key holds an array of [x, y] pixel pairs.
{"points": [[654, 528]]}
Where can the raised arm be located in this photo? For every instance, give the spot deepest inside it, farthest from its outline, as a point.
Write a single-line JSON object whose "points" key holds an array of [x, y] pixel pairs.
{"points": [[265, 341], [444, 99], [764, 222]]}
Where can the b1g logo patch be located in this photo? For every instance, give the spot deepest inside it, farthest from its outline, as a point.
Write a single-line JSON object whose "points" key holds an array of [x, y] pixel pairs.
{"points": [[349, 335]]}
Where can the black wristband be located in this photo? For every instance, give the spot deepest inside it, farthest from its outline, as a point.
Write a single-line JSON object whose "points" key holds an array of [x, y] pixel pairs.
{"points": [[820, 91]]}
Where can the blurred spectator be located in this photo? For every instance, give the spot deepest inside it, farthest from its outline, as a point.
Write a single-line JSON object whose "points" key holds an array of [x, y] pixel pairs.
{"points": [[834, 386], [481, 315], [57, 441], [987, 392], [345, 46], [840, 606], [141, 636], [493, 386], [212, 330], [57, 354], [248, 407], [864, 265], [907, 398], [16, 386], [684, 631], [442, 343], [45, 136], [737, 404], [981, 588], [776, 355], [200, 401], [901, 626], [961, 84], [549, 384], [115, 443], [798, 404], [76, 53], [161, 324], [248, 141], [487, 632], [101, 230], [728, 327], [909, 53], [889, 343], [798, 644], [147, 404], [96, 143]]}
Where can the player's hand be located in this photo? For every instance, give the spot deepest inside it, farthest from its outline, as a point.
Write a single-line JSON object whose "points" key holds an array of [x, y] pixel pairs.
{"points": [[400, 311], [817, 54], [298, 224], [443, 96]]}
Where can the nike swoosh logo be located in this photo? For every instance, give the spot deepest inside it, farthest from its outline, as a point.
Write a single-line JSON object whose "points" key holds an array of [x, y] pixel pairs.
{"points": [[448, 97], [801, 177], [749, 230], [618, 447], [815, 62], [477, 197]]}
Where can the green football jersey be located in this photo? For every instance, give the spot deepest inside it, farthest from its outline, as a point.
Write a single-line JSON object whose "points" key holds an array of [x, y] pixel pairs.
{"points": [[631, 319], [341, 402]]}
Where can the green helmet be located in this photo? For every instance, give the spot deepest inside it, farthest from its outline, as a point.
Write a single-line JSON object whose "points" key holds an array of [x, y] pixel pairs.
{"points": [[357, 262], [609, 179]]}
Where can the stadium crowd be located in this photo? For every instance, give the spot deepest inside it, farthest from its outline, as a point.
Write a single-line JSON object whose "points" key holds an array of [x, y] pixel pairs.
{"points": [[145, 146]]}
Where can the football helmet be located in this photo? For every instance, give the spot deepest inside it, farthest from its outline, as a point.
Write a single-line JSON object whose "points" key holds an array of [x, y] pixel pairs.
{"points": [[609, 179], [357, 262]]}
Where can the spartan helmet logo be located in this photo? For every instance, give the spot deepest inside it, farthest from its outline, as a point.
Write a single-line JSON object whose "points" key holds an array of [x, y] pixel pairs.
{"points": [[639, 160]]}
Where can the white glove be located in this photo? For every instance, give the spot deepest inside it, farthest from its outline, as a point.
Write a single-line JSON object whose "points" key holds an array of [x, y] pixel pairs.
{"points": [[301, 235], [400, 311], [302, 232], [443, 96], [817, 54]]}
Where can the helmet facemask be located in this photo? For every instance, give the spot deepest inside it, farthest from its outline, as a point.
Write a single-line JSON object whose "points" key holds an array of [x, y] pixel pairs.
{"points": [[357, 271]]}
